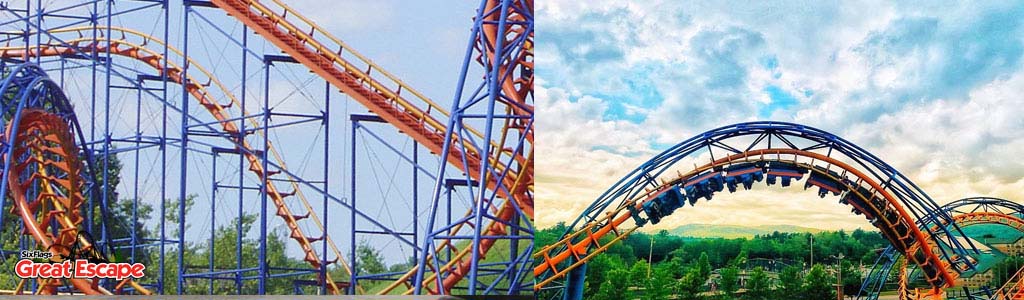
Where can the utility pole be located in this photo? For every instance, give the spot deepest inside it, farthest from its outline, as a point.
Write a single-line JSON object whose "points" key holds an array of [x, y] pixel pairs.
{"points": [[812, 251], [839, 277], [650, 258]]}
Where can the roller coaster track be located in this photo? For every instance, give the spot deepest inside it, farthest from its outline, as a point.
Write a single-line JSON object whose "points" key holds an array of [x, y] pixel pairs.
{"points": [[381, 100], [45, 179], [46, 154], [965, 212], [505, 46], [886, 199], [962, 220], [414, 119], [870, 208], [916, 294], [1013, 289], [123, 47]]}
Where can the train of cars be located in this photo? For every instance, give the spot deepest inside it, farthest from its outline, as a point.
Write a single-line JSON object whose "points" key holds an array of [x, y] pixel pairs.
{"points": [[731, 177], [864, 200]]}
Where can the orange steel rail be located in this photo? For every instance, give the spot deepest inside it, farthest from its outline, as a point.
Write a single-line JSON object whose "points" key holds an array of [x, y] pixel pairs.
{"points": [[612, 222], [418, 120], [46, 150], [198, 91], [518, 183], [152, 58], [1013, 289], [987, 217], [413, 119], [904, 293], [963, 220], [517, 88], [422, 125]]}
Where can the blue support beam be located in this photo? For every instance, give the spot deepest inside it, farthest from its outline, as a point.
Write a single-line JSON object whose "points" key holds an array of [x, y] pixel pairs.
{"points": [[172, 138], [479, 102], [768, 136]]}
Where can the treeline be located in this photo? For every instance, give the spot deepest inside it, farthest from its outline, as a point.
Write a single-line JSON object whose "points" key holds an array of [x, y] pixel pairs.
{"points": [[774, 266], [369, 259], [859, 246]]}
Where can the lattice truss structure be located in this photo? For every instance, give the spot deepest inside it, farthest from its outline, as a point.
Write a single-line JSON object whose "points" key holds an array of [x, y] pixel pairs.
{"points": [[965, 212], [734, 158], [222, 127]]}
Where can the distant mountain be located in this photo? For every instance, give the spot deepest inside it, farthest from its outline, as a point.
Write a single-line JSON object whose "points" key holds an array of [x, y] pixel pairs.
{"points": [[735, 231]]}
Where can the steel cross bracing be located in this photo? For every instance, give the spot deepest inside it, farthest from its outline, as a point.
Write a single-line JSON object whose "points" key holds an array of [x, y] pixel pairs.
{"points": [[361, 127], [963, 220], [419, 120], [511, 74], [965, 212], [47, 179], [1013, 289], [176, 74], [506, 157], [501, 43], [742, 154]]}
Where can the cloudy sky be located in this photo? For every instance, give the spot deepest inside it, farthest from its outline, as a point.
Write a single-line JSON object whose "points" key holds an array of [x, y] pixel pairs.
{"points": [[934, 90]]}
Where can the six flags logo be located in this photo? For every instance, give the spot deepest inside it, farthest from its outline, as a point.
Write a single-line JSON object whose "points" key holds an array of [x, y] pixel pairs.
{"points": [[78, 268]]}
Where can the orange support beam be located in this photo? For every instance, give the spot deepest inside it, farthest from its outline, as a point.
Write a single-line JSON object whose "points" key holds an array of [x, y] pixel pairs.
{"points": [[608, 223]]}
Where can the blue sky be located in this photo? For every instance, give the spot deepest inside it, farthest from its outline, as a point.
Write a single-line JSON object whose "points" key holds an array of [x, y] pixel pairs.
{"points": [[423, 43], [933, 89]]}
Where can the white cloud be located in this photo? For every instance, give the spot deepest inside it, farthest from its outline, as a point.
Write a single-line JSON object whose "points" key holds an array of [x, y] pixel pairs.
{"points": [[934, 90], [569, 166], [955, 148]]}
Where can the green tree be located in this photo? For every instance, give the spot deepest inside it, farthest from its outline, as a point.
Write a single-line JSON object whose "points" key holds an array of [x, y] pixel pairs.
{"points": [[705, 254], [598, 271], [818, 284], [121, 222], [689, 287], [638, 274], [613, 289], [729, 281], [11, 232], [759, 285], [740, 261], [851, 279], [225, 242], [369, 260], [675, 268], [1003, 270], [790, 283], [550, 235], [704, 265], [660, 285]]}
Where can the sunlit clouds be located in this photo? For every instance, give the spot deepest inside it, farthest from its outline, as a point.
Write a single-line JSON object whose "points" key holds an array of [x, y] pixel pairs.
{"points": [[934, 91]]}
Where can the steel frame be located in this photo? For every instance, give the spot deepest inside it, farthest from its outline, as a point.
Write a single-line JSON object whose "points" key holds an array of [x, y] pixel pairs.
{"points": [[644, 181], [883, 266], [102, 69], [26, 88], [507, 63], [363, 124], [185, 136]]}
